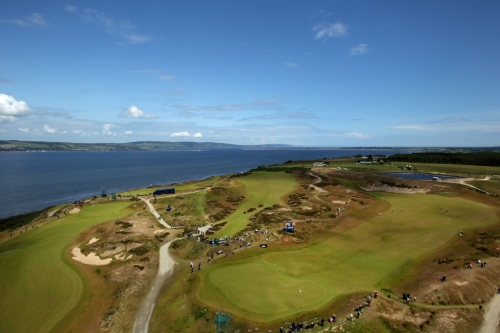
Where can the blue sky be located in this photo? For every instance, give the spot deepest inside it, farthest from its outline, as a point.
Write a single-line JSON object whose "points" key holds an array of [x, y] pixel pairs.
{"points": [[306, 73]]}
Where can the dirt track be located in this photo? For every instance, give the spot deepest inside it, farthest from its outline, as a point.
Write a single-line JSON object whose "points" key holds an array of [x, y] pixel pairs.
{"points": [[147, 306], [491, 316]]}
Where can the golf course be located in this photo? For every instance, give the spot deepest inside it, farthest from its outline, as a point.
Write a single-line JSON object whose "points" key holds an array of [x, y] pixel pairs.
{"points": [[39, 284], [348, 240], [273, 285], [261, 189]]}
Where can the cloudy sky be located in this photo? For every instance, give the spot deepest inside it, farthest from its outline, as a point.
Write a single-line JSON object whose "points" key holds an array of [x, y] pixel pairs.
{"points": [[306, 73]]}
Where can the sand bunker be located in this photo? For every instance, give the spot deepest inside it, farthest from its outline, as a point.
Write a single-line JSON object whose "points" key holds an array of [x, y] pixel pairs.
{"points": [[75, 210], [92, 241], [123, 257], [91, 259]]}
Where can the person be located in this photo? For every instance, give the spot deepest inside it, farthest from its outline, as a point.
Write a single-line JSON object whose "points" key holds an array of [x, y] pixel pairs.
{"points": [[199, 266], [414, 299], [443, 278]]}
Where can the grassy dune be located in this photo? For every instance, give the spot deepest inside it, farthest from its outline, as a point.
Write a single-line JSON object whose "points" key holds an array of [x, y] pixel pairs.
{"points": [[39, 287], [261, 188], [263, 285]]}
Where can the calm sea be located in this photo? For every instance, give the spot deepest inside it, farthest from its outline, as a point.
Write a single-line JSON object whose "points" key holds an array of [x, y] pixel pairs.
{"points": [[33, 181]]}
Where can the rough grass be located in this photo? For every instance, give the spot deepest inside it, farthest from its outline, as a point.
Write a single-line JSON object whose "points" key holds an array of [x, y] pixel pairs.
{"points": [[39, 286], [263, 286], [262, 189]]}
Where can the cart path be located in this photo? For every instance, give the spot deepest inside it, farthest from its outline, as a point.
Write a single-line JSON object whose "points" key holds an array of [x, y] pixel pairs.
{"points": [[164, 272], [155, 213], [491, 316], [463, 181]]}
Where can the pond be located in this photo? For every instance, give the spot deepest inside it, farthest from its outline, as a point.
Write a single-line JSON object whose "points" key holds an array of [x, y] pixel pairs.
{"points": [[417, 175]]}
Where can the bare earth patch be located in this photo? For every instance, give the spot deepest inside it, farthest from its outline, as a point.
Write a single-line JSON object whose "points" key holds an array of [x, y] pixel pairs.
{"points": [[91, 259]]}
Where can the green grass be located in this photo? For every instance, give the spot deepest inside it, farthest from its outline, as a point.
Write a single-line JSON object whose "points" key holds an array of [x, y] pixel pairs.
{"points": [[261, 188], [263, 285], [489, 186], [38, 284]]}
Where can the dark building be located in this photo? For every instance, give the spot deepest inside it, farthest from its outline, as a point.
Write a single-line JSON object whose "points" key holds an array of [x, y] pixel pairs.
{"points": [[170, 190]]}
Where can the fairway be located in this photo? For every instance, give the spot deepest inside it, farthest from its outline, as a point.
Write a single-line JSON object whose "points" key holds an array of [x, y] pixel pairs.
{"points": [[261, 188], [38, 286], [265, 287]]}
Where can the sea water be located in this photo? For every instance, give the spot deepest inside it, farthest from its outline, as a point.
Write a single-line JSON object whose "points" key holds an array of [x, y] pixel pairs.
{"points": [[35, 180]]}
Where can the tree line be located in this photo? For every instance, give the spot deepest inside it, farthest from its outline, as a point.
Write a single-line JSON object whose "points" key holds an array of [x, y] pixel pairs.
{"points": [[472, 158]]}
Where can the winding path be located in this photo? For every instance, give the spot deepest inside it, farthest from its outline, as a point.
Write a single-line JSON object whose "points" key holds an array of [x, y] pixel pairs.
{"points": [[146, 310], [491, 316], [463, 181], [158, 216], [164, 272]]}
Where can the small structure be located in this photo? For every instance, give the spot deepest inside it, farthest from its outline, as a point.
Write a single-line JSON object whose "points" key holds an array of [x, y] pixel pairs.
{"points": [[289, 227], [319, 164], [104, 194], [438, 179], [170, 190], [365, 163], [221, 323]]}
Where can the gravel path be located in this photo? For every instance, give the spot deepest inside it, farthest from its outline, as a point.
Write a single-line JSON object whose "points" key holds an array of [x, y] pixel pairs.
{"points": [[491, 316], [164, 272], [147, 306]]}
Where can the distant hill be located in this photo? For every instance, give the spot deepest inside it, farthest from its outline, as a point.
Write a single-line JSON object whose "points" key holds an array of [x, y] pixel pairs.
{"points": [[15, 145]]}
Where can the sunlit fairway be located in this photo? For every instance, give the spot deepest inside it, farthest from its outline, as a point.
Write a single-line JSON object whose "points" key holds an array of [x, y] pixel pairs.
{"points": [[261, 188], [265, 286], [38, 285]]}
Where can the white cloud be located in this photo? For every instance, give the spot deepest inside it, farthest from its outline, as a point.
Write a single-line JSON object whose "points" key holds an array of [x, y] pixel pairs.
{"points": [[49, 130], [261, 104], [25, 130], [359, 49], [135, 112], [11, 108], [123, 29], [77, 131], [197, 135], [410, 127], [291, 64], [328, 30], [167, 77], [37, 19], [355, 135], [184, 134], [106, 130], [134, 38], [71, 9], [34, 20], [127, 133]]}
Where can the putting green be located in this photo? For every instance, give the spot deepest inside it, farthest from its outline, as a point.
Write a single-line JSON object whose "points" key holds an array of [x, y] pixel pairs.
{"points": [[265, 287], [261, 188], [39, 287]]}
